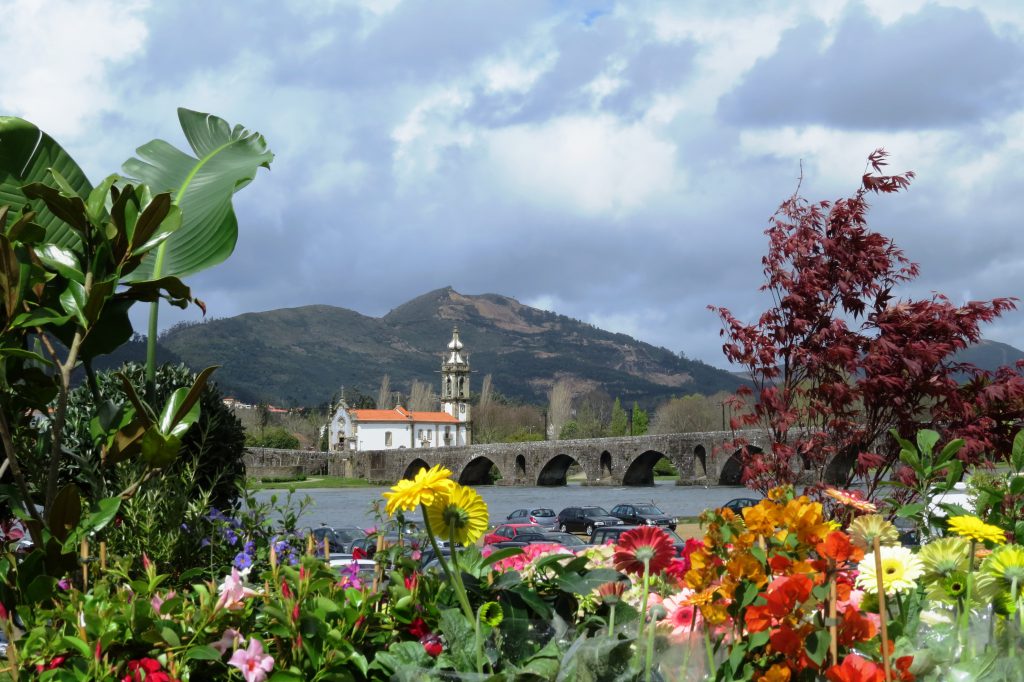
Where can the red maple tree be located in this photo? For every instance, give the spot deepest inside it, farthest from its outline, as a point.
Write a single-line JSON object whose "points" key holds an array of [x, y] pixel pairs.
{"points": [[837, 361]]}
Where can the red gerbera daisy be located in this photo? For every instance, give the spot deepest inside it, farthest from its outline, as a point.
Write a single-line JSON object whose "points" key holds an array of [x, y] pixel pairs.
{"points": [[647, 543]]}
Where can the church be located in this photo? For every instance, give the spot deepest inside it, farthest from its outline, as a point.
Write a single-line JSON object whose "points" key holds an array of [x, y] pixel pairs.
{"points": [[353, 429]]}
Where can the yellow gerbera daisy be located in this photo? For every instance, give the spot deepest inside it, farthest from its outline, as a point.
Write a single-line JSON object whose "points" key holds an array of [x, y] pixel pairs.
{"points": [[1003, 569], [973, 528], [409, 494], [943, 557], [459, 515], [900, 571], [864, 529]]}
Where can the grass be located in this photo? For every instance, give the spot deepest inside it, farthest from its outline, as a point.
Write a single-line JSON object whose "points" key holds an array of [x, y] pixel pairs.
{"points": [[314, 482]]}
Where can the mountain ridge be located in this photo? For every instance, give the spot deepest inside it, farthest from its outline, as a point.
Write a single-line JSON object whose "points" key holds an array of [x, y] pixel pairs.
{"points": [[302, 356]]}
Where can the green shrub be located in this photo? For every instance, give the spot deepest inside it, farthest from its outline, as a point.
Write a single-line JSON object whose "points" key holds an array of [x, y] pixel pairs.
{"points": [[274, 437], [664, 467]]}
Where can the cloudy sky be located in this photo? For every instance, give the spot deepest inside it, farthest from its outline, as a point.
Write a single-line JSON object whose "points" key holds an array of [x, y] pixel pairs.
{"points": [[612, 161]]}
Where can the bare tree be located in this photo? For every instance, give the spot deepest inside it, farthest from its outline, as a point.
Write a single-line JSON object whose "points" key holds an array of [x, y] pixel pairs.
{"points": [[694, 413], [559, 406], [422, 397], [384, 394], [486, 392]]}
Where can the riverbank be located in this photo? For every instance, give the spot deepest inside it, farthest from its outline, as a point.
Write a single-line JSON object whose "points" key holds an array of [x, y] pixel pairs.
{"points": [[313, 482]]}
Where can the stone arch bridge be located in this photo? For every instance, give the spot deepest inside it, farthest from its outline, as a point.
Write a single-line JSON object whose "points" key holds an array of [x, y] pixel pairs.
{"points": [[709, 458]]}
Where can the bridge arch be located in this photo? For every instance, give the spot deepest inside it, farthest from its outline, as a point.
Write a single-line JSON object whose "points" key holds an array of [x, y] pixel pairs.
{"points": [[520, 468], [554, 471], [478, 471], [605, 465], [414, 467], [700, 456], [641, 470], [732, 470]]}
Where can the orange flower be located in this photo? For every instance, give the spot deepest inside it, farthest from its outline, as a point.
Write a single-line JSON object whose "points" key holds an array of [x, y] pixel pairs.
{"points": [[745, 567], [851, 498], [758, 618], [803, 517], [855, 669], [780, 493], [854, 626], [785, 594], [762, 518], [838, 547], [776, 673]]}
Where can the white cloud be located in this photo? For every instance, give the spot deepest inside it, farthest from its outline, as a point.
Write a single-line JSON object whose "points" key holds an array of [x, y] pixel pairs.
{"points": [[586, 164], [427, 131], [57, 58]]}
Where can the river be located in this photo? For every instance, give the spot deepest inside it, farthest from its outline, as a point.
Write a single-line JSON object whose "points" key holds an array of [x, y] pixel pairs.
{"points": [[352, 506]]}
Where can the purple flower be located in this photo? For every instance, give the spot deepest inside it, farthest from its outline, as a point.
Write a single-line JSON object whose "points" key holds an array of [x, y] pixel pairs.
{"points": [[350, 576], [242, 561], [231, 536]]}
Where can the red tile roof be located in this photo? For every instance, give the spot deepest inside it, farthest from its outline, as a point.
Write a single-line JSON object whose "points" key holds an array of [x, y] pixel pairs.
{"points": [[400, 414]]}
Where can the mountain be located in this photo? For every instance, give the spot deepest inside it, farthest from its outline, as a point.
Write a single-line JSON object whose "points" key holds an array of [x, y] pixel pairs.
{"points": [[302, 356]]}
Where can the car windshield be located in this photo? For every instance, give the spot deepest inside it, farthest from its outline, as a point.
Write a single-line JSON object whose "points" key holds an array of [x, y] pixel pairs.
{"points": [[595, 511], [648, 509], [542, 512], [675, 538], [564, 539]]}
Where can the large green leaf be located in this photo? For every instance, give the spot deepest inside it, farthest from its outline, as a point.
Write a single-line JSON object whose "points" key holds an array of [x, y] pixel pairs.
{"points": [[26, 155], [226, 159]]}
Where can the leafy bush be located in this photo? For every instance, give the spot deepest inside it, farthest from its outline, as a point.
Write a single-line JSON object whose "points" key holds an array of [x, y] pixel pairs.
{"points": [[274, 437]]}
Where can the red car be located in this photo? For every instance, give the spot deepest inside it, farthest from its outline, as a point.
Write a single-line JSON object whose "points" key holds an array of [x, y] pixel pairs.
{"points": [[508, 531]]}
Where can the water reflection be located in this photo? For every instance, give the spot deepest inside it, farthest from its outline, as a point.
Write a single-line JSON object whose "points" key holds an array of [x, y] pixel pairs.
{"points": [[352, 506]]}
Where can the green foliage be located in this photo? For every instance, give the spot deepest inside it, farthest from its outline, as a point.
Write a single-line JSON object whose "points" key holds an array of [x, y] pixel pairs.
{"points": [[619, 424], [641, 421], [274, 437], [933, 474], [999, 498], [664, 467]]}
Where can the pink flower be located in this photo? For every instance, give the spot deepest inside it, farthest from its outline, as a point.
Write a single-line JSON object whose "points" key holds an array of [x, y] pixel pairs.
{"points": [[229, 640], [157, 602], [253, 663], [233, 592], [519, 561], [683, 618]]}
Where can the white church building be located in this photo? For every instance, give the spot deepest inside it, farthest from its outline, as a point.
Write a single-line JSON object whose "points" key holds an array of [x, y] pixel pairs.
{"points": [[382, 429]]}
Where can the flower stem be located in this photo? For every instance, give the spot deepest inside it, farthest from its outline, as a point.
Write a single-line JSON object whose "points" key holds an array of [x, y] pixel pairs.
{"points": [[711, 655], [649, 656], [611, 622], [882, 617], [452, 579], [968, 596]]}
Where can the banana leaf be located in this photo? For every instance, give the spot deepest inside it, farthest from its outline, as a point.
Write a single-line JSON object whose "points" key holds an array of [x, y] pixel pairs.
{"points": [[224, 160], [26, 155]]}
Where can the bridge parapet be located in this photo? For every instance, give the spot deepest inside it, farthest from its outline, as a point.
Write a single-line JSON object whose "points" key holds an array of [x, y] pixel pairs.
{"points": [[707, 458]]}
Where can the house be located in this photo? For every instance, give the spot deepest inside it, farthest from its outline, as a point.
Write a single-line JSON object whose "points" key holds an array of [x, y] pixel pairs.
{"points": [[383, 429]]}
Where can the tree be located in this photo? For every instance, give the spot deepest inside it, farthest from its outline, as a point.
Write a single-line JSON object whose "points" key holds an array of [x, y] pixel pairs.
{"points": [[262, 417], [619, 424], [837, 361], [640, 420], [559, 406], [422, 397], [384, 393]]}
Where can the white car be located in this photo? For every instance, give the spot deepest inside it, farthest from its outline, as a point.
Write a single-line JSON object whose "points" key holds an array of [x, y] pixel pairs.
{"points": [[958, 496]]}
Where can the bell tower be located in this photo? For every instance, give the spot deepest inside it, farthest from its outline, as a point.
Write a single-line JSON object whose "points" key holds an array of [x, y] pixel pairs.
{"points": [[455, 382]]}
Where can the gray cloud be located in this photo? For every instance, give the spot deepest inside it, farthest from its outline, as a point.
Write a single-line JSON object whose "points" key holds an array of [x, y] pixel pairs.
{"points": [[356, 215], [939, 67]]}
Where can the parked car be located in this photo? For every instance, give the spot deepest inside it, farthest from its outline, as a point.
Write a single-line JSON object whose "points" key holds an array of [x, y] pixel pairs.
{"points": [[643, 514], [341, 539], [509, 531], [368, 544], [607, 534], [585, 519], [739, 504], [567, 540], [542, 516]]}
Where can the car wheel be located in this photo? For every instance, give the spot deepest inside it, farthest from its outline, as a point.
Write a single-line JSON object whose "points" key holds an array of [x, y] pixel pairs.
{"points": [[590, 530], [673, 527], [564, 529]]}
